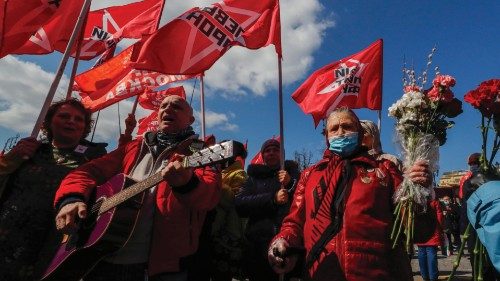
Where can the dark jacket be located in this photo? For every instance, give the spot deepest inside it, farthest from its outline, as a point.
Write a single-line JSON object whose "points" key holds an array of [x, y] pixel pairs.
{"points": [[256, 200], [451, 220]]}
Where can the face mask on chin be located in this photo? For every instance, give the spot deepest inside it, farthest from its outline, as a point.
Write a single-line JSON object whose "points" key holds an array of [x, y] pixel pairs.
{"points": [[344, 145], [474, 168]]}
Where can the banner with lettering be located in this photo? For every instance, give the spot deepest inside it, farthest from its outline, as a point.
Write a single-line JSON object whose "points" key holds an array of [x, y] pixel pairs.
{"points": [[355, 82], [194, 41], [104, 29], [115, 80]]}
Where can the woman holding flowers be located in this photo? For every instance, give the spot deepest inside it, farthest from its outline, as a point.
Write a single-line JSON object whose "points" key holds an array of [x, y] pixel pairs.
{"points": [[342, 211]]}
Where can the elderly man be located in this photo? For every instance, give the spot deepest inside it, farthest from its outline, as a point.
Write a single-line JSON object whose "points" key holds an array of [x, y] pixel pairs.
{"points": [[342, 213], [172, 214]]}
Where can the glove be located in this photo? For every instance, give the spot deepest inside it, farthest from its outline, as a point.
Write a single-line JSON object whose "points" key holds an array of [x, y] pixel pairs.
{"points": [[280, 261]]}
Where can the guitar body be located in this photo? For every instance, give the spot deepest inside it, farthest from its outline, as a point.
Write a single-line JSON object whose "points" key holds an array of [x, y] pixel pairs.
{"points": [[97, 236]]}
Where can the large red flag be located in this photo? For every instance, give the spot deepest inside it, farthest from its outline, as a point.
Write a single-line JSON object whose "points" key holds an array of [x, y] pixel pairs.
{"points": [[20, 19], [115, 80], [104, 28], [355, 82], [148, 123], [193, 42], [152, 100]]}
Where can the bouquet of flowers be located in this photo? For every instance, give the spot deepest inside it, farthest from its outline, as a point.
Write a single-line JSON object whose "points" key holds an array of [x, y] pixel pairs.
{"points": [[486, 99], [422, 118]]}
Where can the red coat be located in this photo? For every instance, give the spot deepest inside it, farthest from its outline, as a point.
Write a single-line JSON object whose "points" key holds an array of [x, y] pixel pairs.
{"points": [[434, 209], [179, 217], [361, 251]]}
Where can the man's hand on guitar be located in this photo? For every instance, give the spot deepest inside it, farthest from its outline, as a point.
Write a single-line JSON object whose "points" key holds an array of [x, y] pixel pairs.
{"points": [[67, 216], [175, 173]]}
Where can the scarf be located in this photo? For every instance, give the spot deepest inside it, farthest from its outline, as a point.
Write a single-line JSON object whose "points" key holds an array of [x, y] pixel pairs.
{"points": [[165, 140]]}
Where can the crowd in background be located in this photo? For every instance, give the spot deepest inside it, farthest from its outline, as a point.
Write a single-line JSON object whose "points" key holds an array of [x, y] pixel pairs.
{"points": [[328, 222]]}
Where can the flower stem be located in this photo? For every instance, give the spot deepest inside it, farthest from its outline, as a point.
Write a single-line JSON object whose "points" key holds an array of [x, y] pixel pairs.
{"points": [[460, 252], [476, 260], [397, 219], [496, 146], [395, 241]]}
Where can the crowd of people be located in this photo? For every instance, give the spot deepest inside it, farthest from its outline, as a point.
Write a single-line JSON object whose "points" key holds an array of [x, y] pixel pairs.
{"points": [[329, 222]]}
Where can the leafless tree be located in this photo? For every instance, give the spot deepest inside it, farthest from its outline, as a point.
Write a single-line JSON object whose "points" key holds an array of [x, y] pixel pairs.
{"points": [[304, 158]]}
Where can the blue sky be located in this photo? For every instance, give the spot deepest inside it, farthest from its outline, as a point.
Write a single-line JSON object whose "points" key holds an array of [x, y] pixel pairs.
{"points": [[242, 88]]}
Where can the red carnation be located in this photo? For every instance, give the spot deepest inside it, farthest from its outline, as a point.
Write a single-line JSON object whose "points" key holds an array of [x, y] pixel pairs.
{"points": [[444, 80]]}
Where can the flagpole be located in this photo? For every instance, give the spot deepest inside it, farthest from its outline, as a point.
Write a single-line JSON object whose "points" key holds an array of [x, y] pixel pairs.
{"points": [[76, 60], [135, 105], [380, 121], [60, 70], [202, 101], [280, 105]]}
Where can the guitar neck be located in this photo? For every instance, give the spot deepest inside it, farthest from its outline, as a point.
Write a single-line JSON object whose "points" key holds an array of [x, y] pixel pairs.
{"points": [[207, 156], [130, 192]]}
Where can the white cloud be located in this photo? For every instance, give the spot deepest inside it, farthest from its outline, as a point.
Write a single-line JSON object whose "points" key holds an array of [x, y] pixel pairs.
{"points": [[23, 92], [214, 120]]}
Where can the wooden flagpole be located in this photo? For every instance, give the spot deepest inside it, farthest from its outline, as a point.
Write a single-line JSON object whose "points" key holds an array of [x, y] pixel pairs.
{"points": [[50, 96], [280, 105], [202, 101], [76, 60]]}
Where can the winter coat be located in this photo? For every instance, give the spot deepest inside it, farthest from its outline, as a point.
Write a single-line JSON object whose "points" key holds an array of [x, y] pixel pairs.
{"points": [[255, 201], [436, 215], [180, 212], [361, 250], [451, 218]]}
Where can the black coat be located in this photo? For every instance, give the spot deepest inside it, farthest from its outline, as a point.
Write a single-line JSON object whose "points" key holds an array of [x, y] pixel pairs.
{"points": [[255, 201]]}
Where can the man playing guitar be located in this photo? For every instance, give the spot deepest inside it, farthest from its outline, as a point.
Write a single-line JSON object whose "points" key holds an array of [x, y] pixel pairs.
{"points": [[171, 214]]}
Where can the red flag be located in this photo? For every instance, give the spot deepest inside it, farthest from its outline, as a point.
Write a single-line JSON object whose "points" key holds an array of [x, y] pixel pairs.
{"points": [[149, 123], [194, 41], [115, 80], [20, 19], [355, 82], [257, 159], [152, 100], [105, 28]]}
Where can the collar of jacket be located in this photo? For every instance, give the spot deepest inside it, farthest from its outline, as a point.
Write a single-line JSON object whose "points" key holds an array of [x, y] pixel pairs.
{"points": [[264, 171], [361, 156]]}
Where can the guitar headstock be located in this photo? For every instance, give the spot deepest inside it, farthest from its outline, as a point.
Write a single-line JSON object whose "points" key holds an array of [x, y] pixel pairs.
{"points": [[211, 155]]}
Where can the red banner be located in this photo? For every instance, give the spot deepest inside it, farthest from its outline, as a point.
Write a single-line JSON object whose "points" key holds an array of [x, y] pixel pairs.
{"points": [[193, 42], [20, 19], [105, 27], [355, 82], [152, 100], [149, 123], [115, 80]]}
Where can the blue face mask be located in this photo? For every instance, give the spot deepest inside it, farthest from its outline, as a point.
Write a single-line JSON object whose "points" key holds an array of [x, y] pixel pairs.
{"points": [[344, 145]]}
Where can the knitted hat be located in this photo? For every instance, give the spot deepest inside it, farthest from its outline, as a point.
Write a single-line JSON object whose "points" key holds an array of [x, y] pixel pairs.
{"points": [[474, 158], [268, 143]]}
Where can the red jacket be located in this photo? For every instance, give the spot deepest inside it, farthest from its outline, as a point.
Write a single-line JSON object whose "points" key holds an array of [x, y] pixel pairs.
{"points": [[361, 251], [179, 217], [435, 211]]}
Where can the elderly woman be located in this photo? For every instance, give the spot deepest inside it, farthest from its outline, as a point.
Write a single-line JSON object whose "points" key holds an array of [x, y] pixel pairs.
{"points": [[371, 140], [342, 211], [29, 176]]}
